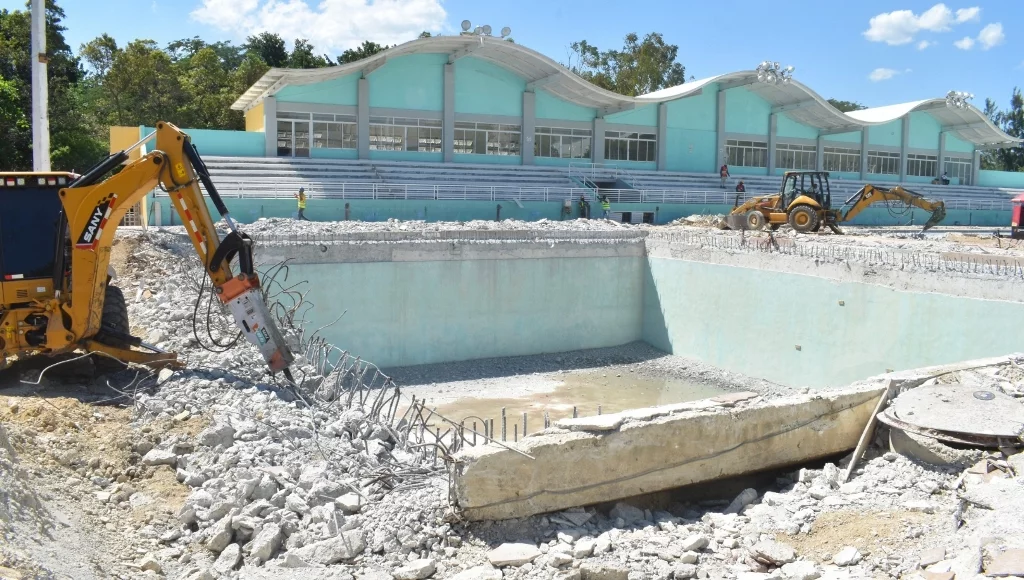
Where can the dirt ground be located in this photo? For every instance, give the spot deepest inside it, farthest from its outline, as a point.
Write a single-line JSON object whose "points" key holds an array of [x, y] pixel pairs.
{"points": [[866, 531]]}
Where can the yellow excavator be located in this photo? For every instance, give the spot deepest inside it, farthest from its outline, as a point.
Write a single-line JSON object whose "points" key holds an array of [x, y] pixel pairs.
{"points": [[56, 232], [805, 203]]}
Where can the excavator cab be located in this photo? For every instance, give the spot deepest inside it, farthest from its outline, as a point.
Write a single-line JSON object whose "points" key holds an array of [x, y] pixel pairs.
{"points": [[812, 184]]}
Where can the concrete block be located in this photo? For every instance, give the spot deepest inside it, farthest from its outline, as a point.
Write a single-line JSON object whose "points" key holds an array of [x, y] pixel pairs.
{"points": [[581, 468]]}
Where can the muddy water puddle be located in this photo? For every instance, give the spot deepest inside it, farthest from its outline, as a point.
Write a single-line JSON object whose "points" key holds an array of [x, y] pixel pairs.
{"points": [[589, 393]]}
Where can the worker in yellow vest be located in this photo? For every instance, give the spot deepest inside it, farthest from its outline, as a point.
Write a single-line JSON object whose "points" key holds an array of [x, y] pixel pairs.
{"points": [[301, 196], [606, 206]]}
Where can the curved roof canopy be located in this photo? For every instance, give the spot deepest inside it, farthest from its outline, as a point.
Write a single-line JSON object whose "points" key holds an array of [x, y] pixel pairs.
{"points": [[794, 99]]}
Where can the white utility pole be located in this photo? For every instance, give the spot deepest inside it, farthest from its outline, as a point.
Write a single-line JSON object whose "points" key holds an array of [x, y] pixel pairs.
{"points": [[40, 115]]}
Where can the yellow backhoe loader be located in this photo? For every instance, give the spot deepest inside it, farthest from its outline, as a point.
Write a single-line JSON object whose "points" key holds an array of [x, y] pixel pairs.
{"points": [[805, 203], [56, 231]]}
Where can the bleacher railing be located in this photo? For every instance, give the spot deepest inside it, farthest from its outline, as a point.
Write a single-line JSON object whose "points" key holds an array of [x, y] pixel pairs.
{"points": [[397, 191]]}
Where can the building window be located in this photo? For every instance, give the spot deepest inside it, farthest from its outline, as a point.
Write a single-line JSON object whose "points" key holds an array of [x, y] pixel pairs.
{"points": [[626, 146], [792, 156], [487, 138], [334, 131], [562, 143], [960, 168], [840, 159], [883, 163], [405, 134], [922, 165], [746, 153]]}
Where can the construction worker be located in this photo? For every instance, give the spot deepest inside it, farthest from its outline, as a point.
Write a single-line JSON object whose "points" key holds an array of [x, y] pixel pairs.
{"points": [[606, 206], [301, 196], [584, 208]]}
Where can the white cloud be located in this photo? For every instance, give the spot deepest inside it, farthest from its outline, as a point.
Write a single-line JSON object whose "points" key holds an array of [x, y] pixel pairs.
{"points": [[968, 14], [991, 35], [924, 44], [900, 26], [882, 74], [965, 43], [330, 25]]}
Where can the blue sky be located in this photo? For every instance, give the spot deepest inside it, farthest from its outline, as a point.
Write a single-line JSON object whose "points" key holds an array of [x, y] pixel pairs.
{"points": [[875, 52]]}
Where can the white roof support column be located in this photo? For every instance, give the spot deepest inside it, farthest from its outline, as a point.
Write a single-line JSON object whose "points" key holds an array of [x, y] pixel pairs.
{"points": [[40, 100], [363, 118], [662, 136], [942, 154], [976, 168], [448, 120], [597, 148], [773, 124], [270, 125], [529, 123], [719, 131], [864, 154], [904, 146], [819, 154]]}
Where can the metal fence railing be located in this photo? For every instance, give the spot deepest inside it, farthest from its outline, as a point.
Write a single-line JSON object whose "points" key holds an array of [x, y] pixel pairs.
{"points": [[471, 192]]}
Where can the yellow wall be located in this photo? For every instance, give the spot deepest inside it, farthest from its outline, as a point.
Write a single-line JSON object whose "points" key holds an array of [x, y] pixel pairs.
{"points": [[254, 118], [122, 138]]}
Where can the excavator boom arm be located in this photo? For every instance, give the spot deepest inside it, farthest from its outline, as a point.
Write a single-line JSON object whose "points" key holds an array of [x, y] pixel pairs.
{"points": [[95, 208], [869, 195]]}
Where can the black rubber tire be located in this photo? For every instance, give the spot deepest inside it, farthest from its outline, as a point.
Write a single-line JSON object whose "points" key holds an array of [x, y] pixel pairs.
{"points": [[114, 326], [755, 220], [803, 219]]}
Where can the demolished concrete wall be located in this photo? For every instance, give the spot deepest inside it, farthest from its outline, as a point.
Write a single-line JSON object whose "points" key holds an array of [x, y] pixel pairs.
{"points": [[617, 456], [599, 459]]}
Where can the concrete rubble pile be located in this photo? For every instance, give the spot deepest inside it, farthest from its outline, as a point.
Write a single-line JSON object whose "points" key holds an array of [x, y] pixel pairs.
{"points": [[287, 227], [277, 485]]}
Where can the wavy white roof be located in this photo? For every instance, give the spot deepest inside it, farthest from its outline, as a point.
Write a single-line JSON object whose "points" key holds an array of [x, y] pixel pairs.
{"points": [[794, 99]]}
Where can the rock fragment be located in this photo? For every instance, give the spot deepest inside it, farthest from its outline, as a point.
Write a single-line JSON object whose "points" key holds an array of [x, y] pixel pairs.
{"points": [[513, 554], [848, 556]]}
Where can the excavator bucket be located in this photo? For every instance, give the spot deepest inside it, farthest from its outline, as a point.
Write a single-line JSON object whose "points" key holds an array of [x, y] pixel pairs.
{"points": [[735, 221], [938, 214]]}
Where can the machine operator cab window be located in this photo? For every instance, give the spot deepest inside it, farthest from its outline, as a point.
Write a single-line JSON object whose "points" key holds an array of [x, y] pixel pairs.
{"points": [[812, 184]]}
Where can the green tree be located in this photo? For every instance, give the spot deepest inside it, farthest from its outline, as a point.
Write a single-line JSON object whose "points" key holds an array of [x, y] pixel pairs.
{"points": [[207, 92], [74, 142], [302, 56], [367, 49], [269, 47], [640, 67], [846, 106], [1011, 121], [146, 82]]}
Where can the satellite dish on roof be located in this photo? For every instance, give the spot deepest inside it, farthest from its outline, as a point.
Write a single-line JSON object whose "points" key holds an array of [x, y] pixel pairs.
{"points": [[466, 25], [477, 30], [505, 31], [487, 29]]}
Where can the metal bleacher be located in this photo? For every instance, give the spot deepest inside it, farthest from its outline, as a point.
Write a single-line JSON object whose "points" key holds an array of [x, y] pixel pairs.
{"points": [[363, 179]]}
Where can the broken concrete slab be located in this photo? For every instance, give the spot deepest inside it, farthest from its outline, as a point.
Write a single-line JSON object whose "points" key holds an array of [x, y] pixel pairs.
{"points": [[581, 468], [932, 556], [513, 554], [1009, 563], [602, 571], [595, 423]]}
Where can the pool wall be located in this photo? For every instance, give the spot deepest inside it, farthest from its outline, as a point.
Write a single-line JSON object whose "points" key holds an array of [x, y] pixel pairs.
{"points": [[788, 319]]}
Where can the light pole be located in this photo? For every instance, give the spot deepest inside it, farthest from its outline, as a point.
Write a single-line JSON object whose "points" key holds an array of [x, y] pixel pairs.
{"points": [[958, 99], [40, 116], [771, 73]]}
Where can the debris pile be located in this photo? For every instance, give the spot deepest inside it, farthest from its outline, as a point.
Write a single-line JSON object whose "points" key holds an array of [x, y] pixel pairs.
{"points": [[223, 471]]}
